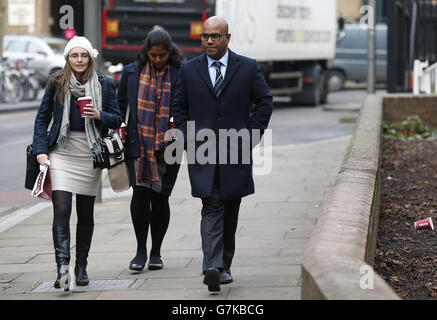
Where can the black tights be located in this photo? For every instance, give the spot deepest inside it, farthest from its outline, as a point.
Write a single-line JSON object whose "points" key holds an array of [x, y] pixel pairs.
{"points": [[149, 208], [61, 221], [62, 201]]}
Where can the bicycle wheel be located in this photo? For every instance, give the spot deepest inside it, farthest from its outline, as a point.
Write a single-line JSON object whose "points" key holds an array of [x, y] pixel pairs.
{"points": [[30, 90], [13, 89]]}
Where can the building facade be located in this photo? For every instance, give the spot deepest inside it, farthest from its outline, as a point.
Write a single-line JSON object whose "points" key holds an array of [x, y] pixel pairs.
{"points": [[26, 17], [349, 9]]}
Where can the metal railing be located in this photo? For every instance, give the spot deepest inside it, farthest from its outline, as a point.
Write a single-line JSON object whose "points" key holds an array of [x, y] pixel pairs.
{"points": [[425, 78]]}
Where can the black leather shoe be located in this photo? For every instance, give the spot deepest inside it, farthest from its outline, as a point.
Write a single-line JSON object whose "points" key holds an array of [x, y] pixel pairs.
{"points": [[212, 280], [138, 263], [226, 277], [81, 275], [155, 263]]}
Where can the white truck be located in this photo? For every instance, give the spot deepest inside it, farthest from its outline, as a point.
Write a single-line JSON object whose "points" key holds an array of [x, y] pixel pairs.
{"points": [[293, 40]]}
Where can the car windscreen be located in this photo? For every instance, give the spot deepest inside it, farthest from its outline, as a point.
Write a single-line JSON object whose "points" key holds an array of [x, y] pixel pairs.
{"points": [[5, 44], [57, 47], [17, 46]]}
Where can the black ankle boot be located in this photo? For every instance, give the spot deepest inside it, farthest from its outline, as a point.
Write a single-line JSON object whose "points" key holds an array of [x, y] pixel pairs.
{"points": [[84, 236], [81, 275], [61, 243]]}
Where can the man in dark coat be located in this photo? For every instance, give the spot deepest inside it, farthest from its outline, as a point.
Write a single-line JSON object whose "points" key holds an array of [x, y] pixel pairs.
{"points": [[220, 90]]}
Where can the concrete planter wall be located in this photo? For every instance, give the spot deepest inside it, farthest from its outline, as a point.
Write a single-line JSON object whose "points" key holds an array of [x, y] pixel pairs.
{"points": [[338, 259]]}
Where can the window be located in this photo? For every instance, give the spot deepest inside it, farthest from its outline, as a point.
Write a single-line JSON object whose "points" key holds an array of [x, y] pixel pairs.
{"points": [[34, 48], [57, 47], [17, 46], [5, 44]]}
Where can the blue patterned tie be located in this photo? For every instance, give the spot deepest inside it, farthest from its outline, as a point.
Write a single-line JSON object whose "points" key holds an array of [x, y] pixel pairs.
{"points": [[218, 86]]}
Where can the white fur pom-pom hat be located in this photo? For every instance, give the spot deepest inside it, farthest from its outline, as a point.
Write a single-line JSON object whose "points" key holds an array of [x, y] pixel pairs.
{"points": [[80, 42]]}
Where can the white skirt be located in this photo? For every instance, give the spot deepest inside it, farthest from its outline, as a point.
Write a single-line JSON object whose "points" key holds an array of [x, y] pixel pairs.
{"points": [[72, 169]]}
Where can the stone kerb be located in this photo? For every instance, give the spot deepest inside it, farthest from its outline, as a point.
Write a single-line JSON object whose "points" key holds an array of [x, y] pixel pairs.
{"points": [[338, 258]]}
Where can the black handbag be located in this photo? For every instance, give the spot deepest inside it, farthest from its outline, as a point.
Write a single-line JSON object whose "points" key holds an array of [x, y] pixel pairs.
{"points": [[113, 151], [32, 168]]}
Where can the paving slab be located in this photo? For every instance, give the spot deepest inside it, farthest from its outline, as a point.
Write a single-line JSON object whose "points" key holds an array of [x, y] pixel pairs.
{"points": [[274, 227]]}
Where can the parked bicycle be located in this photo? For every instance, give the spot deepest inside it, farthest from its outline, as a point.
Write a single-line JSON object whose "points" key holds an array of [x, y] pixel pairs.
{"points": [[11, 90], [28, 79]]}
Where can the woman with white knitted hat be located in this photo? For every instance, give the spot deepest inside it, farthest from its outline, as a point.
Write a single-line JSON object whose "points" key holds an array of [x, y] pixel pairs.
{"points": [[73, 150]]}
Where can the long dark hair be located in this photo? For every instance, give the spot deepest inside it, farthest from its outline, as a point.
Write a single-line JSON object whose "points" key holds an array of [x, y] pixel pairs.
{"points": [[158, 37]]}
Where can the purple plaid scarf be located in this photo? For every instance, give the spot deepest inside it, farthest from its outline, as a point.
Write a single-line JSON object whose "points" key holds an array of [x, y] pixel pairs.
{"points": [[154, 94]]}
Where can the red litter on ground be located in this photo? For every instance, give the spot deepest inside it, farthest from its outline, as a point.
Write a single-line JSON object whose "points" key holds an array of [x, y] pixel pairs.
{"points": [[424, 224]]}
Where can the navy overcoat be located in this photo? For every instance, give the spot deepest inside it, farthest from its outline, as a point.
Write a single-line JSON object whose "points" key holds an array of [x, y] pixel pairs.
{"points": [[51, 111], [244, 103]]}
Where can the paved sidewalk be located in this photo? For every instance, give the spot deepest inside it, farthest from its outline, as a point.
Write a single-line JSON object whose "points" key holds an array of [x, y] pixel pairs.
{"points": [[274, 227], [23, 105]]}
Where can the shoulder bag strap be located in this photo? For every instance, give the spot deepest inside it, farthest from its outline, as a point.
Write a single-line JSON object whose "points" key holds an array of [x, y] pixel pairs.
{"points": [[127, 115]]}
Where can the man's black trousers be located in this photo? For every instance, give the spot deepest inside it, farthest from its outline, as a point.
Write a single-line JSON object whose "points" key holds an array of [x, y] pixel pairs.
{"points": [[218, 228]]}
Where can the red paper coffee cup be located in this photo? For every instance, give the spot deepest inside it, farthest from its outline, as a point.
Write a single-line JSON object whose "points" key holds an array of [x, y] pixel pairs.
{"points": [[82, 102], [424, 224], [122, 132]]}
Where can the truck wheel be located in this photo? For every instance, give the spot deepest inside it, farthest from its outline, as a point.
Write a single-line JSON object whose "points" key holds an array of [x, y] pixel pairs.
{"points": [[325, 88], [316, 94], [336, 80]]}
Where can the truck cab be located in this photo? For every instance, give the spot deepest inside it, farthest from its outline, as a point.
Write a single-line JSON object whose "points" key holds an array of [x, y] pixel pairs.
{"points": [[127, 22]]}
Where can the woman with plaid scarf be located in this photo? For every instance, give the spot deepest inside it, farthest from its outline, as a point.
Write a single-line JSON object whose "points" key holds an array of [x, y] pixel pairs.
{"points": [[146, 89]]}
